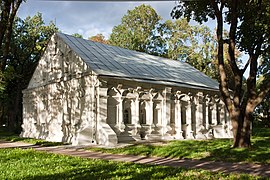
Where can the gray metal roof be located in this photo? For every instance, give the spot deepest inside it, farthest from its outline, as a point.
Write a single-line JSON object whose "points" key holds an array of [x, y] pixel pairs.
{"points": [[106, 60]]}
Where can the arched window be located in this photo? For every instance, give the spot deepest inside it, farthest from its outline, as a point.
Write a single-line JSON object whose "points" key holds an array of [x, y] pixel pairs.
{"points": [[183, 113], [142, 116]]}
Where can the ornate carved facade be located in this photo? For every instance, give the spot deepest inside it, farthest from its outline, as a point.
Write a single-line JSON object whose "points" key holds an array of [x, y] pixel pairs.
{"points": [[66, 100]]}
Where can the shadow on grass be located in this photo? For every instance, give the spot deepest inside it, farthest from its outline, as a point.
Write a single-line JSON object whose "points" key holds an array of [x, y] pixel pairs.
{"points": [[38, 165], [258, 153], [109, 171], [218, 150], [215, 150]]}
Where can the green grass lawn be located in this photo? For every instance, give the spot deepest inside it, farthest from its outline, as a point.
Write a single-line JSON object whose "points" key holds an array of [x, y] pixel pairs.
{"points": [[30, 164], [217, 149]]}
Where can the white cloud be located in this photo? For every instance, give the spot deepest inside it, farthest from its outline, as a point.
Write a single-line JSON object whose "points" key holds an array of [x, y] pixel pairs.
{"points": [[85, 17]]}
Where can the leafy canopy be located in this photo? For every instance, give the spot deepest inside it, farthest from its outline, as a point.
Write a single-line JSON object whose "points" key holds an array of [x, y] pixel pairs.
{"points": [[136, 29]]}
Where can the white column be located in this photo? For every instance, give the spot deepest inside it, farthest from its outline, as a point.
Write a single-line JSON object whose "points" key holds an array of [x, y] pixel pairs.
{"points": [[150, 112], [166, 111], [151, 116], [168, 105], [135, 116], [119, 115], [213, 109], [228, 123], [222, 119], [178, 123], [137, 113], [189, 132], [221, 113], [120, 111], [206, 106], [199, 117], [102, 104]]}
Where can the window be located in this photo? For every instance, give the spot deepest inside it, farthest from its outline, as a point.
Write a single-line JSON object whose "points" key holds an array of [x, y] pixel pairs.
{"points": [[142, 116], [126, 116]]}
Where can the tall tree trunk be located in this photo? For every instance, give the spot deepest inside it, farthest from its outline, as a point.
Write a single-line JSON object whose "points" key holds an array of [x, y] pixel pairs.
{"points": [[239, 113], [242, 130], [9, 10]]}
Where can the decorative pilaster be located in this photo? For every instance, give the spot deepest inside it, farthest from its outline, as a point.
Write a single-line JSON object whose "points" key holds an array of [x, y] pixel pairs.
{"points": [[189, 131], [151, 111], [228, 123], [222, 119], [166, 127], [206, 106], [102, 104], [120, 112], [200, 129], [214, 112], [137, 113], [178, 123]]}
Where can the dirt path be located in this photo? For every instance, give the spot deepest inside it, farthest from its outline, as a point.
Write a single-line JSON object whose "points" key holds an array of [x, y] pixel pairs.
{"points": [[226, 167]]}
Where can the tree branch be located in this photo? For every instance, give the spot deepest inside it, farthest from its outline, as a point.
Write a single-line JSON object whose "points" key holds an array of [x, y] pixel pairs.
{"points": [[15, 6], [265, 88], [223, 78], [5, 8], [232, 34], [246, 65]]}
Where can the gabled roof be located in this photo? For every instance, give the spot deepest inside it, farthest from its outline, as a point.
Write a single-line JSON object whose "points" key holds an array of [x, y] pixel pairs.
{"points": [[112, 61]]}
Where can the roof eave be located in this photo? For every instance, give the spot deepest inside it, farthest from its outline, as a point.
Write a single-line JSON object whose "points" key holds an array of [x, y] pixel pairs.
{"points": [[160, 82]]}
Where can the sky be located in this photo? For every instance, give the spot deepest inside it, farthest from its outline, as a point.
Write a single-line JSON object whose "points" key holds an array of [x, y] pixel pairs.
{"points": [[88, 18]]}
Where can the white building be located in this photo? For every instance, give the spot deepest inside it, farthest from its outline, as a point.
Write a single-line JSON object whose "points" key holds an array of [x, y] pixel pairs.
{"points": [[85, 92]]}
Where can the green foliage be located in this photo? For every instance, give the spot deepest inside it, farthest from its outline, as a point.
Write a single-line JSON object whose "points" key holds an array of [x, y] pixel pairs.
{"points": [[194, 44], [263, 110], [2, 83], [28, 42], [77, 35], [30, 164], [136, 29], [217, 149]]}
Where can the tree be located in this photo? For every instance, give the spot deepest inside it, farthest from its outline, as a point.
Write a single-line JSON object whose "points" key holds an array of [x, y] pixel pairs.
{"points": [[77, 35], [249, 32], [136, 29], [28, 42], [180, 40], [263, 109], [99, 38], [8, 10]]}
